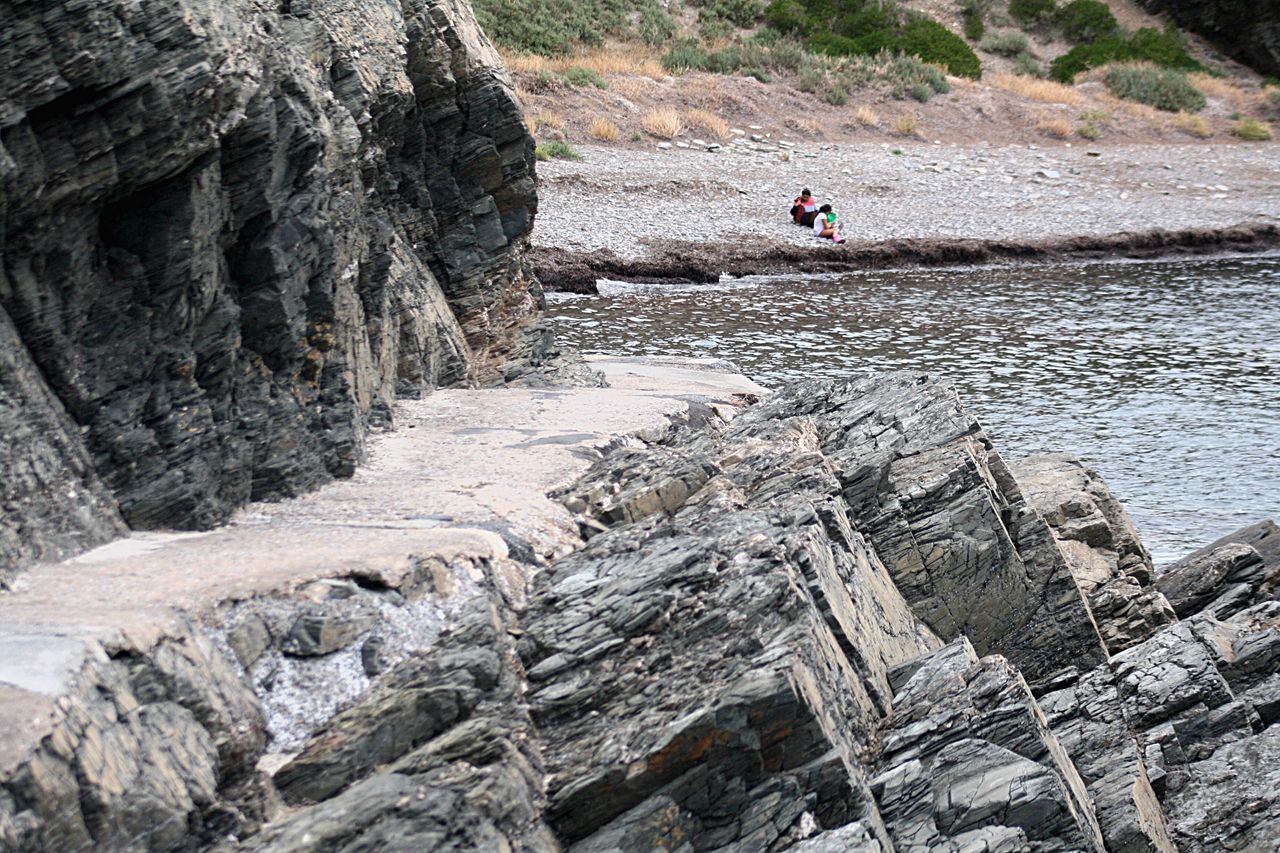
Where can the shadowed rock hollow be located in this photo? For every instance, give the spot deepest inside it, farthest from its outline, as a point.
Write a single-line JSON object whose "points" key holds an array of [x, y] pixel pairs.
{"points": [[232, 233]]}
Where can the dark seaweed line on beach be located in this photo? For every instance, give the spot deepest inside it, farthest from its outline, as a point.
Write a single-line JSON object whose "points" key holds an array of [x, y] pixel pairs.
{"points": [[681, 261]]}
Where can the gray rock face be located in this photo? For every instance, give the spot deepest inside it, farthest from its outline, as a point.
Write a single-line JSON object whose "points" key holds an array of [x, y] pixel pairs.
{"points": [[1100, 544], [231, 233], [1225, 577]]}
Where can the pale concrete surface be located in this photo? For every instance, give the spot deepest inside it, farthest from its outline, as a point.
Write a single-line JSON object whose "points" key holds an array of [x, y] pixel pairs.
{"points": [[464, 473]]}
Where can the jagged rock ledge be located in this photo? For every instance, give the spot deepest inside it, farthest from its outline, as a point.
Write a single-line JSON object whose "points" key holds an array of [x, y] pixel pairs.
{"points": [[673, 260], [833, 620]]}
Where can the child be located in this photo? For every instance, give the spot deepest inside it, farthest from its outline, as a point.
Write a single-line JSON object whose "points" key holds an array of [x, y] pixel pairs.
{"points": [[824, 225]]}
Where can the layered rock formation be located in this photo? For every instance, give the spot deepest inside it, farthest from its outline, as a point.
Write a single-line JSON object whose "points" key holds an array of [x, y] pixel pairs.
{"points": [[833, 621], [1247, 31], [233, 231]]}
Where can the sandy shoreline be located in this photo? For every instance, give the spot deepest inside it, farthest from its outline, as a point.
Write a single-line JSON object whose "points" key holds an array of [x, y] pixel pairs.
{"points": [[655, 210]]}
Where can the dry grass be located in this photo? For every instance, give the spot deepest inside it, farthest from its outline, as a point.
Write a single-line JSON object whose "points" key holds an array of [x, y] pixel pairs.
{"points": [[555, 121], [708, 121], [611, 61], [631, 87], [604, 130], [906, 124], [1194, 125], [1215, 87], [1152, 116], [866, 117], [1046, 91], [663, 123], [1055, 126]]}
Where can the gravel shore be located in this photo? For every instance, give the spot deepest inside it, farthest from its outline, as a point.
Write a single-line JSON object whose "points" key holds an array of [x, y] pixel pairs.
{"points": [[632, 201]]}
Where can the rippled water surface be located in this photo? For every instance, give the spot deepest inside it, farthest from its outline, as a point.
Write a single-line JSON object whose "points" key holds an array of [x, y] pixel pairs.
{"points": [[1165, 375]]}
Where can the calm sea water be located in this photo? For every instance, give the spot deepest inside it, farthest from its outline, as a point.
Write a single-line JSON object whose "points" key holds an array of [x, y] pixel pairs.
{"points": [[1164, 375]]}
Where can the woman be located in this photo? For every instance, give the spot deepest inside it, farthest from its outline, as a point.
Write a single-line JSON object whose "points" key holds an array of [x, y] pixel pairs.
{"points": [[804, 209], [824, 225]]}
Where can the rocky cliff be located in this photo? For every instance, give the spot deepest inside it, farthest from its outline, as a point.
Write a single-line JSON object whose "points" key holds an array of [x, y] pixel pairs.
{"points": [[1245, 30], [831, 621], [231, 232]]}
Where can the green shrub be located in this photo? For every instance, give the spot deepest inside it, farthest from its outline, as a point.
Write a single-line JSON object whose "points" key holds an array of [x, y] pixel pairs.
{"points": [[1089, 131], [921, 92], [974, 27], [685, 55], [1271, 104], [906, 75], [552, 27], [656, 26], [1086, 20], [932, 42], [1005, 44], [1031, 11], [580, 77], [1160, 48], [1162, 88], [758, 73], [786, 55], [557, 150], [810, 79], [836, 95], [868, 27], [974, 14], [724, 61], [1026, 65], [740, 13], [1251, 130]]}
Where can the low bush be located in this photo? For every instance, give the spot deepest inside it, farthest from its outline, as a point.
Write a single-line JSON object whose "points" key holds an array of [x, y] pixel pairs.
{"points": [[1086, 21], [739, 13], [556, 150], [1005, 44], [1046, 91], [810, 79], [581, 77], [1161, 88], [1251, 130], [974, 15], [656, 26], [1089, 131], [921, 92], [707, 121], [604, 130], [869, 27], [724, 61], [1194, 125], [663, 123], [1271, 103], [1162, 48], [1058, 128], [1026, 65], [836, 94], [1031, 11], [906, 75], [906, 125], [866, 117], [552, 27], [686, 55]]}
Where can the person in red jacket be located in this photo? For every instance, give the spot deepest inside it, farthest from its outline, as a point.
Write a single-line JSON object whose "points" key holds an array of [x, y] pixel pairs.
{"points": [[804, 209]]}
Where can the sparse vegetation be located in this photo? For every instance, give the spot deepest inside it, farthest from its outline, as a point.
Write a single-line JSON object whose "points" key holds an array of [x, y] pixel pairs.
{"points": [[974, 13], [1005, 44], [905, 124], [866, 117], [1046, 91], [604, 130], [1032, 12], [1162, 88], [663, 123], [578, 76], [1161, 48], [1057, 127], [1089, 131], [870, 27], [707, 121], [1026, 65], [1193, 125], [556, 150], [1086, 21], [1251, 130]]}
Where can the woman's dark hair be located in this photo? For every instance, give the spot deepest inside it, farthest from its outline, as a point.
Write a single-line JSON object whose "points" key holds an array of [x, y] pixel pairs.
{"points": [[805, 192], [826, 208]]}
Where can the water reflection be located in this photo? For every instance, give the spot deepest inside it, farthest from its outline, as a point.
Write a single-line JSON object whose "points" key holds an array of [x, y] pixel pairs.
{"points": [[1166, 376]]}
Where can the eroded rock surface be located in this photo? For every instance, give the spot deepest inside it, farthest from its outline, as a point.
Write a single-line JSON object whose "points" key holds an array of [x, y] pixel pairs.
{"points": [[234, 231], [1100, 544]]}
